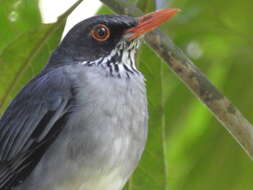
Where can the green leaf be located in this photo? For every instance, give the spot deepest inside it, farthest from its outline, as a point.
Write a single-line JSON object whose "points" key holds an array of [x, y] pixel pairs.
{"points": [[16, 17], [25, 57], [28, 50], [146, 5]]}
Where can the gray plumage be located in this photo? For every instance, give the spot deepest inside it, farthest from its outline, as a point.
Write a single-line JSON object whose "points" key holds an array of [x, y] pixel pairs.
{"points": [[81, 124], [102, 142]]}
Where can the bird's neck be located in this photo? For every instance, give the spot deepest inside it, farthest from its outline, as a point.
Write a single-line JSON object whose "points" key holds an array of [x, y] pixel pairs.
{"points": [[120, 62]]}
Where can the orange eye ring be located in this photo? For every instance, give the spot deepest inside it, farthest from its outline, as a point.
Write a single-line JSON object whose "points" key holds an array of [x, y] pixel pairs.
{"points": [[100, 32]]}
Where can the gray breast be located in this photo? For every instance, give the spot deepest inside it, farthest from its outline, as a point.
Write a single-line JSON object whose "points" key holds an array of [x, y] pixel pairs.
{"points": [[104, 139]]}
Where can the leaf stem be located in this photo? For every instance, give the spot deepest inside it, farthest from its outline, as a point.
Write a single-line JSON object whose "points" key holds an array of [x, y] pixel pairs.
{"points": [[163, 129]]}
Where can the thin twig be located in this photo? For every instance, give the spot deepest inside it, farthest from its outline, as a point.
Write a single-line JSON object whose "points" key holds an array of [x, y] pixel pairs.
{"points": [[227, 114]]}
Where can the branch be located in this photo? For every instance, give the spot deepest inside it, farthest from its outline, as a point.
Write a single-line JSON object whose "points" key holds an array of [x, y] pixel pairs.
{"points": [[226, 113]]}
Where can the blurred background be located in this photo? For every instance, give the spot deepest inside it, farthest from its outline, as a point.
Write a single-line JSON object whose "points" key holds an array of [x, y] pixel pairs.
{"points": [[187, 148]]}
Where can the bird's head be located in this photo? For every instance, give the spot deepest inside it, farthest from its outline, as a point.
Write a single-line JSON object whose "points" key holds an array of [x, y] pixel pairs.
{"points": [[108, 39]]}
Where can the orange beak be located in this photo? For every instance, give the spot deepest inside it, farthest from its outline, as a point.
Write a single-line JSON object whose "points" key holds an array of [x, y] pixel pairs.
{"points": [[149, 22]]}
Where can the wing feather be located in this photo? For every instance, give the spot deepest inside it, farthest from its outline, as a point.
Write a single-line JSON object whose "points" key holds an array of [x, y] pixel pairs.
{"points": [[31, 123]]}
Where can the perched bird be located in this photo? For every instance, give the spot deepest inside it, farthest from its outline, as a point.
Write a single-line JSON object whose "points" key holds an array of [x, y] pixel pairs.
{"points": [[81, 123]]}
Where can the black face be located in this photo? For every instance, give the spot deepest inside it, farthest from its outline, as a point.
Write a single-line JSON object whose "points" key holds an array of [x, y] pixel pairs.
{"points": [[94, 37]]}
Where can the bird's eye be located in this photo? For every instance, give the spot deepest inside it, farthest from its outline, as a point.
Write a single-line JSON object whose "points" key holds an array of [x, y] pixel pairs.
{"points": [[100, 32]]}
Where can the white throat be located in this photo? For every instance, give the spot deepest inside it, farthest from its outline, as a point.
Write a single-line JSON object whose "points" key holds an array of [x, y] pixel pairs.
{"points": [[120, 62]]}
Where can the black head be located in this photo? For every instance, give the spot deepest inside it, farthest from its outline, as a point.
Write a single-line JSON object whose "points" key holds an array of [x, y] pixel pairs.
{"points": [[94, 37]]}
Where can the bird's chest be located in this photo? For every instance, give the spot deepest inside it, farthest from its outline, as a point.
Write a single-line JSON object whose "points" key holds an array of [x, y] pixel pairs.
{"points": [[102, 141], [109, 127]]}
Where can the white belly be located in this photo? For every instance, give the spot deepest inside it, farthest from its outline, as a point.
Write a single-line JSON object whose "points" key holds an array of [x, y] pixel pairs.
{"points": [[109, 182]]}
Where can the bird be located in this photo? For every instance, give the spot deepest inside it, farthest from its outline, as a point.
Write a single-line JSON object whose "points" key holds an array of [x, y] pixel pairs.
{"points": [[82, 122]]}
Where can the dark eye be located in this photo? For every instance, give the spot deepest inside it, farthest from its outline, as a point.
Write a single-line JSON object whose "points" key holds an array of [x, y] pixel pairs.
{"points": [[100, 32]]}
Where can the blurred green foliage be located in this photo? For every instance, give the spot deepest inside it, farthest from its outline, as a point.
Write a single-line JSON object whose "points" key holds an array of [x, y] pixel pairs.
{"points": [[187, 148], [25, 45]]}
